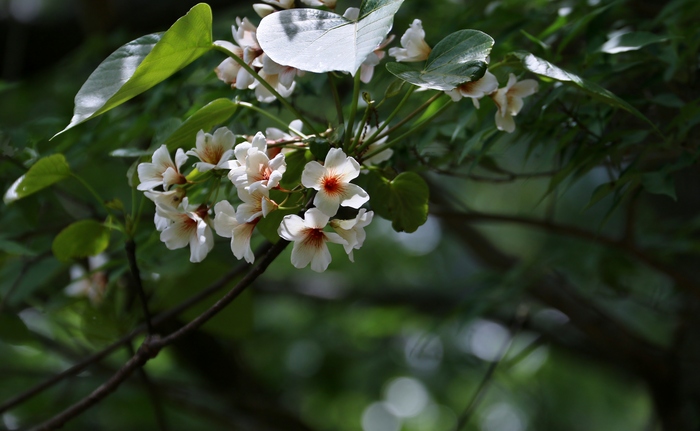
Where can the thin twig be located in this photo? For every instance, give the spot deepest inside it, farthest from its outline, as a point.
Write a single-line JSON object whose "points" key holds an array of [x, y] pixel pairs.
{"points": [[152, 345], [158, 411], [682, 281], [157, 320], [130, 247], [518, 320]]}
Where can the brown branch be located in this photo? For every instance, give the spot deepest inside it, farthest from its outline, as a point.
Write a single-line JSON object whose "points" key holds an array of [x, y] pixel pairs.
{"points": [[159, 319], [605, 332], [130, 248], [152, 345], [158, 411], [625, 246]]}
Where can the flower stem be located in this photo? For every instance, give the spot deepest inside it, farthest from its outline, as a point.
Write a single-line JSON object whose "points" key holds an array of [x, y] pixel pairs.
{"points": [[386, 122], [414, 128], [361, 129], [353, 111], [336, 98], [267, 85], [271, 117]]}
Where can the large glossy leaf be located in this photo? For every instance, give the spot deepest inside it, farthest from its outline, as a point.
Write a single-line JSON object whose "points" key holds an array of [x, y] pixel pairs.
{"points": [[208, 116], [143, 63], [320, 41], [458, 58], [81, 239], [43, 173], [404, 200], [544, 68]]}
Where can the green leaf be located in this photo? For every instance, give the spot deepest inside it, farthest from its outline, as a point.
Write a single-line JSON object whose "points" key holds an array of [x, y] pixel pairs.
{"points": [[458, 58], [660, 183], [45, 172], [13, 330], [210, 115], [268, 226], [143, 63], [630, 42], [81, 239], [319, 41], [404, 200], [295, 160], [15, 248], [544, 68]]}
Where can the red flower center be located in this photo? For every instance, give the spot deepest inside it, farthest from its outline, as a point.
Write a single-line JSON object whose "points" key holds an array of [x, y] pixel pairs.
{"points": [[314, 237], [332, 185]]}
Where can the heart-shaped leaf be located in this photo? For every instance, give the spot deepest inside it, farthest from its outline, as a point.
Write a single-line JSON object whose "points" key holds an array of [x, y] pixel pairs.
{"points": [[319, 41], [404, 200], [43, 173], [143, 63], [458, 58]]}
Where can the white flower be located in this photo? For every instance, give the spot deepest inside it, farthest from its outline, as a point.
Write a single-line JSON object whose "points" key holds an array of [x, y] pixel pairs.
{"points": [[330, 4], [353, 231], [214, 151], [413, 44], [487, 84], [256, 203], [189, 226], [263, 10], [332, 180], [227, 225], [373, 59], [309, 239], [264, 95], [171, 199], [283, 4], [256, 166], [93, 285], [162, 171], [509, 101], [380, 156], [228, 70]]}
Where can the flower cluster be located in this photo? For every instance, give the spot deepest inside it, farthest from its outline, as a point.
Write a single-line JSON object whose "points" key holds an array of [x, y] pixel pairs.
{"points": [[508, 100], [254, 174]]}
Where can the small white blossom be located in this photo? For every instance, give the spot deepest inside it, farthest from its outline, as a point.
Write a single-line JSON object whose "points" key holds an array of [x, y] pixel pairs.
{"points": [[161, 171], [256, 203], [263, 10], [256, 166], [332, 180], [93, 285], [380, 156], [373, 59], [509, 101], [353, 231], [171, 199], [189, 227], [330, 4], [283, 4], [413, 46], [227, 226], [309, 239], [213, 151], [475, 90]]}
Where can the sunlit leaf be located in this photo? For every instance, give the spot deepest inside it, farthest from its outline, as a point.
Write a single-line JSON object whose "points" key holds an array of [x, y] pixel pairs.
{"points": [[544, 68], [458, 58], [210, 115], [45, 172], [630, 42], [143, 63], [320, 41], [81, 239]]}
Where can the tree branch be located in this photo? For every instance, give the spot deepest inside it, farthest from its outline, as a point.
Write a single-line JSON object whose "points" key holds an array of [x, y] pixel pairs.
{"points": [[152, 345], [159, 319]]}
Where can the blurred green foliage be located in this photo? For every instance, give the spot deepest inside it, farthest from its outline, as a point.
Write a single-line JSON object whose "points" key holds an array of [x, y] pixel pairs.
{"points": [[323, 351]]}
